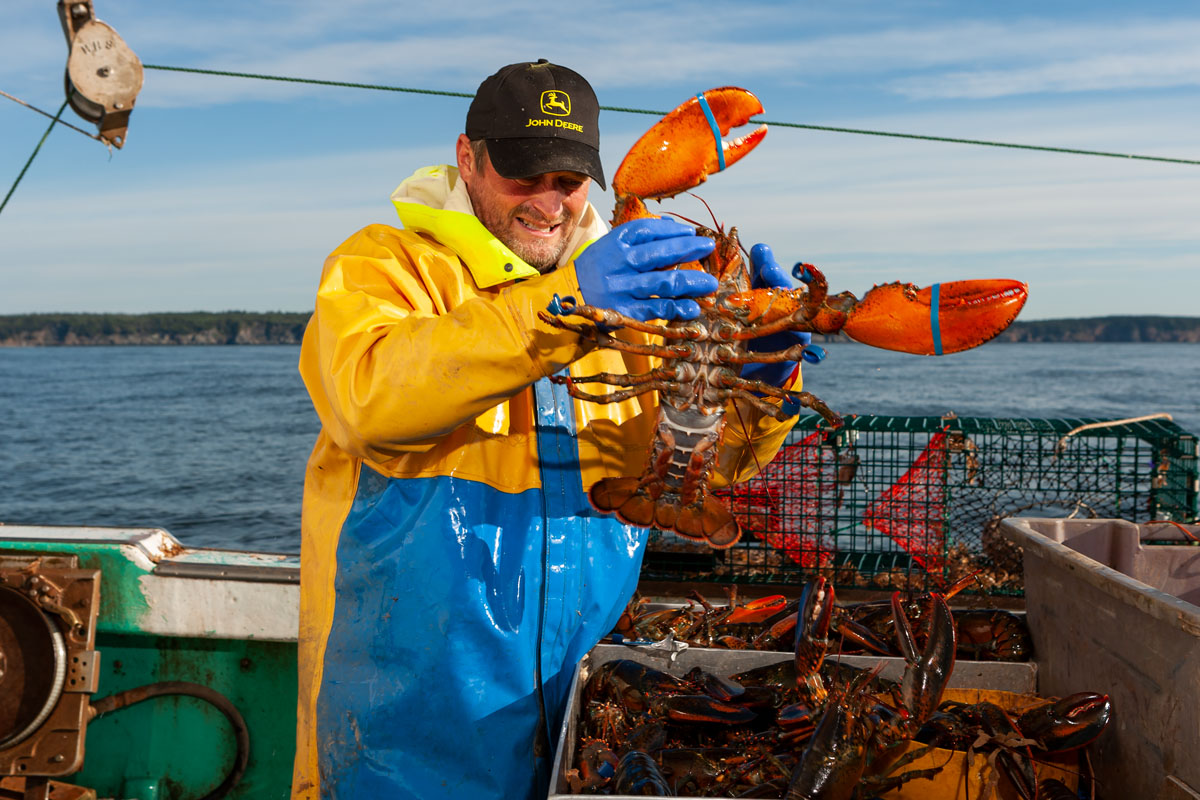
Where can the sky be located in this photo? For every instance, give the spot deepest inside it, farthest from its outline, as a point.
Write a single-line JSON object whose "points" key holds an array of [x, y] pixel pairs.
{"points": [[230, 192]]}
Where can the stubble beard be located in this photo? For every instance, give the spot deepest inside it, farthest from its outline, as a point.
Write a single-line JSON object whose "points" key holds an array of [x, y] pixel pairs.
{"points": [[542, 256]]}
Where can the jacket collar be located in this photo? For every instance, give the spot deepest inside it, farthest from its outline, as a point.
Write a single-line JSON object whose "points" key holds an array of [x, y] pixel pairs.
{"points": [[435, 202]]}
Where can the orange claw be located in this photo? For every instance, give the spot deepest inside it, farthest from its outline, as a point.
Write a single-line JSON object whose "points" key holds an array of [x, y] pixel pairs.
{"points": [[680, 151], [899, 316], [756, 610]]}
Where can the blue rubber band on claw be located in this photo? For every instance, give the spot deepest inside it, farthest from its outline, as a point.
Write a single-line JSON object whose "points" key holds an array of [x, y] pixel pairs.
{"points": [[814, 354], [716, 130], [935, 325], [561, 305], [800, 272]]}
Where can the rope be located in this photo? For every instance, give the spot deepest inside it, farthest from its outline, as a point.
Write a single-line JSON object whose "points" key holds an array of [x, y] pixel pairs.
{"points": [[53, 122], [376, 86], [1062, 443], [983, 142], [627, 110], [47, 114]]}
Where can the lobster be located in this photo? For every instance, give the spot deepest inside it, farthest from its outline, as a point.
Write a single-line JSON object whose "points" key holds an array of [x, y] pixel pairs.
{"points": [[1011, 740], [857, 740], [699, 376]]}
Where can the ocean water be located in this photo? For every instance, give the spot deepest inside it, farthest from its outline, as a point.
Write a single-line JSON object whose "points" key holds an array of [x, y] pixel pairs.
{"points": [[210, 442]]}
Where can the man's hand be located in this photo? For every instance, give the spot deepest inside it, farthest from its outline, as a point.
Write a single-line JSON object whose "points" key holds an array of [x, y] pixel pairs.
{"points": [[620, 270], [769, 275]]}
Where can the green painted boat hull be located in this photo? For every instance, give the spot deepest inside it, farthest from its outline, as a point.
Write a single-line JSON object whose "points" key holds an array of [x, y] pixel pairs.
{"points": [[223, 619]]}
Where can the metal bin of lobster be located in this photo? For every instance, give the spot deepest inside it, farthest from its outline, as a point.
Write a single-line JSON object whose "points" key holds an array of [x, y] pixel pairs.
{"points": [[1118, 603], [654, 719]]}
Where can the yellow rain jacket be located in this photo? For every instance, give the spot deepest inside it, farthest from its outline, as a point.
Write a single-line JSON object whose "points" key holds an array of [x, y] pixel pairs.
{"points": [[453, 572]]}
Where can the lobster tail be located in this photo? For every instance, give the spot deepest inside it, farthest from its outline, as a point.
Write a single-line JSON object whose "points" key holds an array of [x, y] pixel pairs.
{"points": [[706, 520], [710, 522], [626, 498], [610, 494], [673, 493]]}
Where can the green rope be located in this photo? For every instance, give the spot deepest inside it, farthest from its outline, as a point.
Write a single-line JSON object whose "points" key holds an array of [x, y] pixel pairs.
{"points": [[53, 122], [376, 86], [624, 110], [984, 142]]}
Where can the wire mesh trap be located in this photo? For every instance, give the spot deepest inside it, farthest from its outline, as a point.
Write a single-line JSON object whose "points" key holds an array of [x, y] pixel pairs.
{"points": [[915, 502]]}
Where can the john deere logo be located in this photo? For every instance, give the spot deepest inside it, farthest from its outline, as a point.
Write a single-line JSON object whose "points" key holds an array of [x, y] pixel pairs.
{"points": [[556, 103]]}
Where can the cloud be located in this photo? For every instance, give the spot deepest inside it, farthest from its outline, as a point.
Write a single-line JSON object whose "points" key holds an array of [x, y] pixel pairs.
{"points": [[1108, 72], [913, 55], [234, 208]]}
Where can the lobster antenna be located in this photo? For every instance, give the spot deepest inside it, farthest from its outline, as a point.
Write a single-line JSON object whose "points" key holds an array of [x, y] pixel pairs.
{"points": [[682, 217], [757, 463], [716, 224], [719, 227]]}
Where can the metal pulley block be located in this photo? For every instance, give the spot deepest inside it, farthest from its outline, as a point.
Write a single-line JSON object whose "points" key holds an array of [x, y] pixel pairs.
{"points": [[48, 665], [103, 75]]}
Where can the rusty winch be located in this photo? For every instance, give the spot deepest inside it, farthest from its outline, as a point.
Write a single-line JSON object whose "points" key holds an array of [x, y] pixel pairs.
{"points": [[48, 667]]}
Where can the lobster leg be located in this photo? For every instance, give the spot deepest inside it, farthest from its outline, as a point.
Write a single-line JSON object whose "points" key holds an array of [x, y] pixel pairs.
{"points": [[615, 319], [614, 397], [729, 356], [797, 321], [756, 402], [741, 389], [602, 339], [623, 379], [804, 399]]}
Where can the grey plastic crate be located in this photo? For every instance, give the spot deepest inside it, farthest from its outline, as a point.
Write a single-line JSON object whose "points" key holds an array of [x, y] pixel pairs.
{"points": [[1106, 613]]}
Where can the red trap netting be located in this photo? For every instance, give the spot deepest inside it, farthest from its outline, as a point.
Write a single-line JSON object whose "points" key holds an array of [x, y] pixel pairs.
{"points": [[897, 502]]}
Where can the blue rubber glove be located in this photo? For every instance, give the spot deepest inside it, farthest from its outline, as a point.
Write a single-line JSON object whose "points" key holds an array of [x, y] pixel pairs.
{"points": [[621, 270], [769, 275]]}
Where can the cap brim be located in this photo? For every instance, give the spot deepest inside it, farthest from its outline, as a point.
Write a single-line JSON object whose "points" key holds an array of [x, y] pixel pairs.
{"points": [[525, 158]]}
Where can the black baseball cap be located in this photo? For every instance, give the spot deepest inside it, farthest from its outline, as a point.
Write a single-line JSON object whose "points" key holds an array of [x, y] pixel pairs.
{"points": [[538, 118]]}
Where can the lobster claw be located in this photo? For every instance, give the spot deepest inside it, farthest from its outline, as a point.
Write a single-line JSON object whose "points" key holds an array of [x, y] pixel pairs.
{"points": [[942, 318], [756, 610], [684, 148], [1068, 723], [699, 708], [926, 672], [812, 637]]}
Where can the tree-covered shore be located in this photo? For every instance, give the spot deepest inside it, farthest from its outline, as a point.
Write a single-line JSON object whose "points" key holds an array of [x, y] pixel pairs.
{"points": [[287, 327], [197, 327]]}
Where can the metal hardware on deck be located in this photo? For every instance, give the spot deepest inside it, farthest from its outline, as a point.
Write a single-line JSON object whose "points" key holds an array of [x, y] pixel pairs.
{"points": [[48, 611], [37, 788], [227, 572]]}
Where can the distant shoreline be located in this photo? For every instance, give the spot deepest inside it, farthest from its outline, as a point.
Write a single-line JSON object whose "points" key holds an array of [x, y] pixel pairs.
{"points": [[287, 327]]}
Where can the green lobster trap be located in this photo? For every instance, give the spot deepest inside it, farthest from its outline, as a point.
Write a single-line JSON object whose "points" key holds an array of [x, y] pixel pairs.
{"points": [[915, 502]]}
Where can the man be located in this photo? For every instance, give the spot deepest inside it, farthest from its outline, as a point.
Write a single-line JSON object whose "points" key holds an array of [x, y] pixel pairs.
{"points": [[453, 572]]}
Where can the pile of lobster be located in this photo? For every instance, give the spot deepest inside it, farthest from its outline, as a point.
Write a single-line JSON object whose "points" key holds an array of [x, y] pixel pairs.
{"points": [[769, 623], [701, 360], [810, 728]]}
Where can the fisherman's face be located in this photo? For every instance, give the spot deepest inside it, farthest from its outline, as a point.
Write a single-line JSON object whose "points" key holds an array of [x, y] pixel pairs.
{"points": [[535, 217]]}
